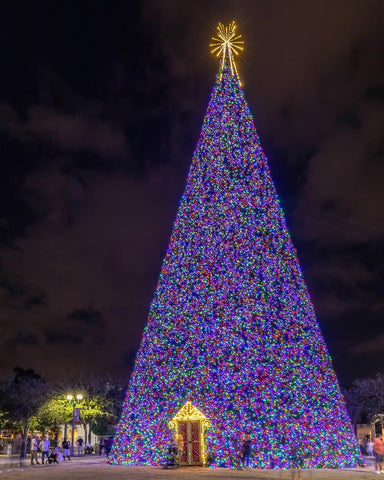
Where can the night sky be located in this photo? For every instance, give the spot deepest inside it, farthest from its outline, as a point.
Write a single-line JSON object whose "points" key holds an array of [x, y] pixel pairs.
{"points": [[101, 105]]}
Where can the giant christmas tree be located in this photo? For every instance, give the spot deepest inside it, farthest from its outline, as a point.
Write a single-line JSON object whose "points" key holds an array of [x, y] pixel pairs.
{"points": [[231, 328]]}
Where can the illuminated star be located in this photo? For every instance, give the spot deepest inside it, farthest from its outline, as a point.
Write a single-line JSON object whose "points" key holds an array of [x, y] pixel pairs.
{"points": [[228, 44]]}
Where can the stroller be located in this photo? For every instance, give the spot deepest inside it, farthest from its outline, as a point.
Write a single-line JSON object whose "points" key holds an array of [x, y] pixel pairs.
{"points": [[53, 458], [172, 457]]}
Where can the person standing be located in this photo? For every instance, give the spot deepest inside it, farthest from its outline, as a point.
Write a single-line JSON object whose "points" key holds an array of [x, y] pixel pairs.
{"points": [[102, 447], [34, 447], [378, 448], [108, 446], [246, 450], [370, 448], [44, 447], [80, 446], [66, 444]]}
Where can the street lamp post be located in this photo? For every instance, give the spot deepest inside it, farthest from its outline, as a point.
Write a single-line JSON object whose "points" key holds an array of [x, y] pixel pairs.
{"points": [[74, 401]]}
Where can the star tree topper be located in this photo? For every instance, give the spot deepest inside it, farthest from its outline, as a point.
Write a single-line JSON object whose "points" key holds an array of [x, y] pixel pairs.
{"points": [[228, 44]]}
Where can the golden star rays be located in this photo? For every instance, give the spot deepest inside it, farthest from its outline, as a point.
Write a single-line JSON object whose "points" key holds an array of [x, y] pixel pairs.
{"points": [[227, 45]]}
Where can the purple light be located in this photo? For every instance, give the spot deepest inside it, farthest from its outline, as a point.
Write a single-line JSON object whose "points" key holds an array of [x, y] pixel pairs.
{"points": [[231, 325]]}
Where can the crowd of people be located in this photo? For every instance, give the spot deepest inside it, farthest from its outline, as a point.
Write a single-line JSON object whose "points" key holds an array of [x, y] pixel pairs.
{"points": [[51, 452]]}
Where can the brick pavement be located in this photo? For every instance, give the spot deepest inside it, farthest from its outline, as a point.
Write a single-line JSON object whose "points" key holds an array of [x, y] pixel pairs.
{"points": [[94, 468]]}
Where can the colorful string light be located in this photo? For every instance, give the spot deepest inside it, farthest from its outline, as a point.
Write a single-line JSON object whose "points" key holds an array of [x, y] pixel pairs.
{"points": [[231, 326]]}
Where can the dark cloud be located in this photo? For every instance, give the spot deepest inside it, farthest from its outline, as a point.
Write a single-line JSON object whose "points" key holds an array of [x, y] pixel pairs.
{"points": [[88, 317], [63, 336], [65, 131], [33, 301], [101, 106], [373, 345], [23, 338]]}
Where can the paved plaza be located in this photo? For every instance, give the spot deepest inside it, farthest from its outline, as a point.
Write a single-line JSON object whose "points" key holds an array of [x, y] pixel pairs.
{"points": [[94, 468]]}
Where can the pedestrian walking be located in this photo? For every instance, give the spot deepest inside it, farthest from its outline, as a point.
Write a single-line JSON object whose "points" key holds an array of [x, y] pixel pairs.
{"points": [[34, 447], [246, 450], [66, 444], [44, 448]]}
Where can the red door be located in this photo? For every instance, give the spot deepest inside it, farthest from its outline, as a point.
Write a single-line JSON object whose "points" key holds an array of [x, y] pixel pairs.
{"points": [[183, 430], [194, 442], [192, 448]]}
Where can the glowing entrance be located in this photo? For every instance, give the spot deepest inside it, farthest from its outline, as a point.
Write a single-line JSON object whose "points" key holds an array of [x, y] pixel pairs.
{"points": [[191, 424]]}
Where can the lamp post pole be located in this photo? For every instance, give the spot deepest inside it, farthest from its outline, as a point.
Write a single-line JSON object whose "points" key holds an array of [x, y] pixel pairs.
{"points": [[76, 400]]}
